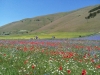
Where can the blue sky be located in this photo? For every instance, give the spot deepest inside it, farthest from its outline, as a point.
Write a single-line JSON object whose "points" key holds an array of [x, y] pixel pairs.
{"points": [[15, 10]]}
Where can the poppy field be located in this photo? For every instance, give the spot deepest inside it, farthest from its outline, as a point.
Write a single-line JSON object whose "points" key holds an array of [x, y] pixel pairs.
{"points": [[49, 57]]}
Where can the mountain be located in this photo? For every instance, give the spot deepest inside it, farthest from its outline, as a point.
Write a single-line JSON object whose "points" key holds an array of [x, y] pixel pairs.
{"points": [[81, 20]]}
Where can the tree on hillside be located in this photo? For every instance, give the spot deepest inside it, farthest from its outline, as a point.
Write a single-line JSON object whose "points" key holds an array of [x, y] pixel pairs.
{"points": [[87, 19], [93, 12], [94, 9], [98, 11]]}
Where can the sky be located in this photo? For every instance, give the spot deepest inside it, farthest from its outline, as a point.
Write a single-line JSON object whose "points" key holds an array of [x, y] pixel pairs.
{"points": [[15, 10]]}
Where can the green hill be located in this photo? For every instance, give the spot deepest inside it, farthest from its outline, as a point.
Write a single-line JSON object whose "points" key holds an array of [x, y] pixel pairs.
{"points": [[74, 21]]}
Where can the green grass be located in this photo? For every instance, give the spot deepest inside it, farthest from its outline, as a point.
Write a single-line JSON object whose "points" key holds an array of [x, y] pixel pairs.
{"points": [[58, 35]]}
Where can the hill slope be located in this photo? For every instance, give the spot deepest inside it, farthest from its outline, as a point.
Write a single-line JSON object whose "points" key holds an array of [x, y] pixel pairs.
{"points": [[31, 24], [74, 21]]}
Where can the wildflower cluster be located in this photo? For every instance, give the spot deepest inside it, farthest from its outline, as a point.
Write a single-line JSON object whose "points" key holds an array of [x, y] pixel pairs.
{"points": [[49, 57]]}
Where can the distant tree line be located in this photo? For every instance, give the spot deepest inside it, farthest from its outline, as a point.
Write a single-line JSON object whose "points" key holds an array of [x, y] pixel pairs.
{"points": [[37, 20], [14, 32], [91, 15], [93, 12], [94, 9], [5, 33]]}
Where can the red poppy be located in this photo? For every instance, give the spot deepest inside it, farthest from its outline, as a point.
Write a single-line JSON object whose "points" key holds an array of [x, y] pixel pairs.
{"points": [[92, 60], [26, 61], [4, 54], [33, 66], [83, 72], [42, 51], [68, 71], [98, 66], [60, 68], [25, 49]]}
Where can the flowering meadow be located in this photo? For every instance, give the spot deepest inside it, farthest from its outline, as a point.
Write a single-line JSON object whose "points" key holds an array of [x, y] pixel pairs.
{"points": [[49, 57]]}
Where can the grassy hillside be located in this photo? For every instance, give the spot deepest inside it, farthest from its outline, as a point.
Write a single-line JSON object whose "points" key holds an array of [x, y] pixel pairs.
{"points": [[74, 21], [31, 24]]}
